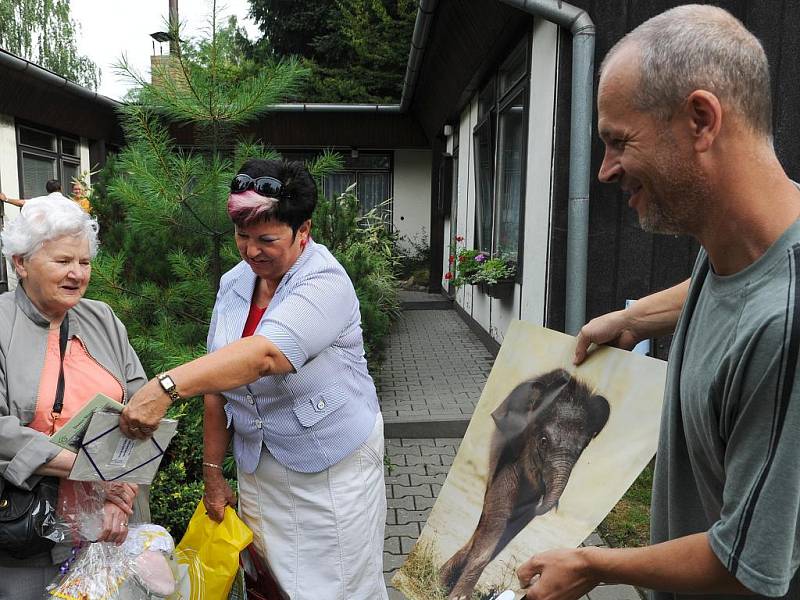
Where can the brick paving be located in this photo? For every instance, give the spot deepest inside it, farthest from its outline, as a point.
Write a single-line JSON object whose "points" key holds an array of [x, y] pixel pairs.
{"points": [[432, 377]]}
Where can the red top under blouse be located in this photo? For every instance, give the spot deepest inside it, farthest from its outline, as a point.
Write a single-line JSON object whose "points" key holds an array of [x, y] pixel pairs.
{"points": [[253, 319]]}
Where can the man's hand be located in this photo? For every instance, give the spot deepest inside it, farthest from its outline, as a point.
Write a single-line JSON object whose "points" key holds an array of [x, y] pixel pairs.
{"points": [[115, 524], [218, 494], [557, 575], [141, 416], [613, 329]]}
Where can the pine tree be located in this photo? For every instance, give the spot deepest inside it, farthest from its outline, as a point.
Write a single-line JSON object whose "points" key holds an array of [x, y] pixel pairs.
{"points": [[43, 32], [357, 50]]}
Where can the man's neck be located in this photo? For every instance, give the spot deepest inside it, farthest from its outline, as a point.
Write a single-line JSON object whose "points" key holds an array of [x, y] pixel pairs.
{"points": [[753, 204]]}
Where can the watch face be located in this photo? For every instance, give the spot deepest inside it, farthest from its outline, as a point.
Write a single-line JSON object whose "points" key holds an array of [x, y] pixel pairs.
{"points": [[167, 383]]}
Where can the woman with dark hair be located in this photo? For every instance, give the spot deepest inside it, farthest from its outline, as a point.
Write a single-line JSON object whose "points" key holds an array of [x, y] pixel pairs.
{"points": [[286, 379]]}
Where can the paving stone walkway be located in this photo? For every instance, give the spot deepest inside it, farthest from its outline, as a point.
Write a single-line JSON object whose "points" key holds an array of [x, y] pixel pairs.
{"points": [[429, 384]]}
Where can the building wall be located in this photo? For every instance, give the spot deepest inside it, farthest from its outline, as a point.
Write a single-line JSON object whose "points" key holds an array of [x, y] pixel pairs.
{"points": [[412, 193], [9, 173], [528, 301]]}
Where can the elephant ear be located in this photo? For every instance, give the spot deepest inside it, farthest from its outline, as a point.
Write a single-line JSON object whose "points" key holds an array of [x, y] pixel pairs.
{"points": [[516, 411], [598, 410]]}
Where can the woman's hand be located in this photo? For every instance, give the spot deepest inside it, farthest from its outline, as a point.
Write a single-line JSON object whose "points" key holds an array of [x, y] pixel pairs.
{"points": [[218, 494], [121, 494], [115, 524], [143, 413]]}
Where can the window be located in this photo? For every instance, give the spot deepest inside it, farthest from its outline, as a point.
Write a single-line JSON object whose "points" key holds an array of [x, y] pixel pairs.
{"points": [[46, 155], [500, 143], [370, 172]]}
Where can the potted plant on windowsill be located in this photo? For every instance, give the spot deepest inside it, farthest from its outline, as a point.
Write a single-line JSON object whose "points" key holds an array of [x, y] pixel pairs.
{"points": [[496, 277]]}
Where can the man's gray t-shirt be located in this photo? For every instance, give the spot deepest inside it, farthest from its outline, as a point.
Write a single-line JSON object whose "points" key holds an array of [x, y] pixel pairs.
{"points": [[728, 459]]}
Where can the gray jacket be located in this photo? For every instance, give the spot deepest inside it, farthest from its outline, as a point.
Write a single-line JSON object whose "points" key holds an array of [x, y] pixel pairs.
{"points": [[23, 341]]}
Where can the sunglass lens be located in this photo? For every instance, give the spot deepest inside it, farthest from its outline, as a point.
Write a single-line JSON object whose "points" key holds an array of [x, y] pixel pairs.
{"points": [[240, 183], [268, 186]]}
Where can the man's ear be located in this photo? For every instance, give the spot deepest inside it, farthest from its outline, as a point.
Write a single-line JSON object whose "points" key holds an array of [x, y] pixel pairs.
{"points": [[704, 114]]}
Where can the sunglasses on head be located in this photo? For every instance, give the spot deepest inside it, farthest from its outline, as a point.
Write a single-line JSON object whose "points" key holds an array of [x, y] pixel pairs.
{"points": [[264, 186]]}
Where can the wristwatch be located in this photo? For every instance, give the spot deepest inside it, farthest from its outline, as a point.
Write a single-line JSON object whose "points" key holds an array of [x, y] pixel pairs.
{"points": [[168, 386]]}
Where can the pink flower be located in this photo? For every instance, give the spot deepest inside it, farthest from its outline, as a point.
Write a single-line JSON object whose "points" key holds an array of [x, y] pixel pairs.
{"points": [[459, 238], [448, 275], [480, 258], [452, 258]]}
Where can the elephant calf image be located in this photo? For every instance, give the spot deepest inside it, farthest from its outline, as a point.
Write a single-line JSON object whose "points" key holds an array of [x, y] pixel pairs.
{"points": [[543, 426]]}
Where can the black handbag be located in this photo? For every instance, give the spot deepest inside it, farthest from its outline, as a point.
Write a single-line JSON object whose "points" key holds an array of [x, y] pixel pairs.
{"points": [[27, 516]]}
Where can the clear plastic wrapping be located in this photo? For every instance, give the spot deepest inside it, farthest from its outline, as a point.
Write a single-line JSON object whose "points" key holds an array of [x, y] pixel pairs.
{"points": [[142, 568]]}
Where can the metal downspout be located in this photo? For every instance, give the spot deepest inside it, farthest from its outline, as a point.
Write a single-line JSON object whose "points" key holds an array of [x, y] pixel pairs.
{"points": [[583, 33]]}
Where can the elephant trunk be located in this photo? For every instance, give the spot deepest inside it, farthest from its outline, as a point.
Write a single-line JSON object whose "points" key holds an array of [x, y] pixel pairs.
{"points": [[555, 483]]}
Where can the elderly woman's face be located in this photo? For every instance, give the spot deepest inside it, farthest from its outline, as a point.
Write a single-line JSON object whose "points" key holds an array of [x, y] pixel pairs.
{"points": [[55, 277], [268, 247]]}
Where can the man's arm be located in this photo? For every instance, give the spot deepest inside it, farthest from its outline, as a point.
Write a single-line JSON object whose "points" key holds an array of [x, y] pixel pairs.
{"points": [[651, 316], [686, 565]]}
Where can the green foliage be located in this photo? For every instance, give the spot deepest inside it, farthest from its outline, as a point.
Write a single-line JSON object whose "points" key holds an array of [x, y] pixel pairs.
{"points": [[357, 50], [367, 251], [43, 32]]}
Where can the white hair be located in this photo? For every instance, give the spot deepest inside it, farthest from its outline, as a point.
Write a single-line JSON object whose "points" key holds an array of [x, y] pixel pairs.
{"points": [[43, 219]]}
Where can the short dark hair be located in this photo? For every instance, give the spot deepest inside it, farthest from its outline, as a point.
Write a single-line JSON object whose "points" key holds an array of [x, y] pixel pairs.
{"points": [[52, 185], [298, 201]]}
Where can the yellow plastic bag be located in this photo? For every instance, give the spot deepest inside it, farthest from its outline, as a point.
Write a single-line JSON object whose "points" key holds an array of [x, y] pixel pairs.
{"points": [[208, 555]]}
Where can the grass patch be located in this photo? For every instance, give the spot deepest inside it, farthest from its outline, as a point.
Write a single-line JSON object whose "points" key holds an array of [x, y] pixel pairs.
{"points": [[419, 577], [628, 523]]}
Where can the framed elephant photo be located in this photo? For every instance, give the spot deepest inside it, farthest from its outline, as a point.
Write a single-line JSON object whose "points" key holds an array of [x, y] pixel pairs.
{"points": [[549, 451]]}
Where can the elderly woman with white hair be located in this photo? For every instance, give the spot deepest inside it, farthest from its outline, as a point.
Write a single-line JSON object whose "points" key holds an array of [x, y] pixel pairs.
{"points": [[57, 350]]}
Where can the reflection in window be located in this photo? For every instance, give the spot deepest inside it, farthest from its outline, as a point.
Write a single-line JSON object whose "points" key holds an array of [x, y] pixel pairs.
{"points": [[511, 143], [500, 142], [44, 156], [484, 159]]}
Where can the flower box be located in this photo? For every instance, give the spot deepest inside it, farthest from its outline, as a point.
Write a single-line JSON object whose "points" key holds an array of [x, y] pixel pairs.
{"points": [[501, 290]]}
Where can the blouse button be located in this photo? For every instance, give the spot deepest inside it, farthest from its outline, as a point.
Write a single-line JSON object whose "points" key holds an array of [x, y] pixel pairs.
{"points": [[321, 404], [250, 399]]}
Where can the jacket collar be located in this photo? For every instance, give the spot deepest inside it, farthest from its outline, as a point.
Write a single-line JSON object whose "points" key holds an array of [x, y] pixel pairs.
{"points": [[26, 306]]}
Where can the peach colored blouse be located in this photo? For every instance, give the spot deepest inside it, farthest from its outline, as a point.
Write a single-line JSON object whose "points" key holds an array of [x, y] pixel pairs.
{"points": [[83, 378]]}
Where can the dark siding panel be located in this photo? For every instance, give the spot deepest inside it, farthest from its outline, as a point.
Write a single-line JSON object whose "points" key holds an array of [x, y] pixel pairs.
{"points": [[625, 262], [327, 130]]}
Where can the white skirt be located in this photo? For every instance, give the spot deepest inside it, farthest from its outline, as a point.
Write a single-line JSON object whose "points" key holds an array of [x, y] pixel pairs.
{"points": [[321, 533]]}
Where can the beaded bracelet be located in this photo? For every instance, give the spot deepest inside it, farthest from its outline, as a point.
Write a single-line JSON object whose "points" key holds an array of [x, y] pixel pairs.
{"points": [[212, 465]]}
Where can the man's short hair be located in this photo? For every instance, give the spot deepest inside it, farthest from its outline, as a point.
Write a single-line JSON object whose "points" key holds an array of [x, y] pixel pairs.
{"points": [[52, 185], [694, 47]]}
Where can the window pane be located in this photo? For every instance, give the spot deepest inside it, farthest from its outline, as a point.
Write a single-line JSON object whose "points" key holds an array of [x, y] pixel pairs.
{"points": [[454, 212], [487, 99], [68, 172], [373, 192], [36, 171], [367, 162], [69, 146], [510, 171], [37, 139], [514, 68], [484, 159], [336, 183]]}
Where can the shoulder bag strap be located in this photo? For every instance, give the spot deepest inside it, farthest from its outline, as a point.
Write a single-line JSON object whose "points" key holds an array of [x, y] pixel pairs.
{"points": [[58, 405]]}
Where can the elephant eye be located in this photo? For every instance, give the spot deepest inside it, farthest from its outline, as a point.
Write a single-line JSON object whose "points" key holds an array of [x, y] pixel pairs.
{"points": [[543, 441]]}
